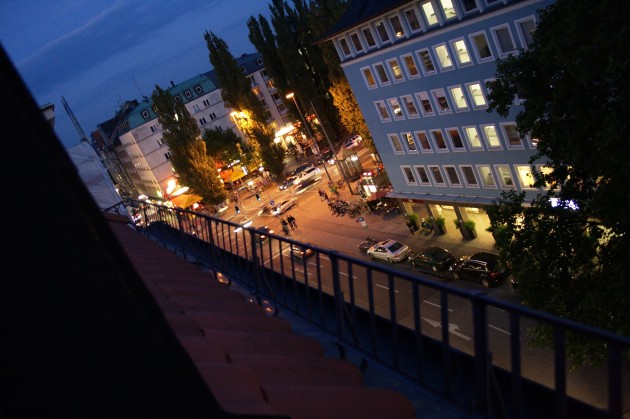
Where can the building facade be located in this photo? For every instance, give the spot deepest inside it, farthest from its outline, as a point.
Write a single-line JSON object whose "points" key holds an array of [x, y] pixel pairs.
{"points": [[419, 71]]}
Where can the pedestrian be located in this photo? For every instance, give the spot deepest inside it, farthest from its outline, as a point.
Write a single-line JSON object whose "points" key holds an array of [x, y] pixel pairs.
{"points": [[321, 194], [326, 196], [292, 222], [285, 225]]}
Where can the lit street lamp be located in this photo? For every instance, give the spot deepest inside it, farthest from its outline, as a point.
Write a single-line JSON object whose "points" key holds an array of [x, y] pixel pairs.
{"points": [[308, 131]]}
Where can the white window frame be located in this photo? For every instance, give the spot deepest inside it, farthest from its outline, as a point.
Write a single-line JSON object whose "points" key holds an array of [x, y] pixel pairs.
{"points": [[367, 42], [448, 178], [469, 89], [413, 175], [456, 97], [392, 141], [477, 135], [410, 76], [458, 52], [465, 178], [519, 29], [428, 138], [421, 61], [419, 177], [521, 181], [436, 142], [340, 42], [379, 104], [393, 102], [406, 135], [365, 78], [428, 18], [418, 19], [444, 66], [436, 95], [472, 10], [483, 182], [378, 34], [432, 176], [495, 37], [358, 39], [405, 99], [390, 20], [420, 96], [450, 137], [391, 63], [489, 146], [480, 60], [509, 146], [445, 11], [378, 75], [502, 181]]}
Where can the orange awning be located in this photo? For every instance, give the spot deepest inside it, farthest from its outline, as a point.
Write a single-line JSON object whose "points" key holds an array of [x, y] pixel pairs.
{"points": [[185, 200]]}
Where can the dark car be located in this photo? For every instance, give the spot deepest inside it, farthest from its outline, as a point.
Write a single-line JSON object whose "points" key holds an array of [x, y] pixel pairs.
{"points": [[432, 258], [300, 252], [262, 234], [482, 267], [288, 182]]}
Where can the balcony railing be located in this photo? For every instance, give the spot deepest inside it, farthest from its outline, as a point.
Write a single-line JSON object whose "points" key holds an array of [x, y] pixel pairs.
{"points": [[468, 347]]}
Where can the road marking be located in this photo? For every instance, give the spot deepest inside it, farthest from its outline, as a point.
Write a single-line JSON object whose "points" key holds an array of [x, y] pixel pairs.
{"points": [[435, 305], [452, 328], [384, 287], [499, 330]]}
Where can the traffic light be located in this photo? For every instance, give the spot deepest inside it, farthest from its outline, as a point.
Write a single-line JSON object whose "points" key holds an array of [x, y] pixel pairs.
{"points": [[257, 197], [238, 210]]}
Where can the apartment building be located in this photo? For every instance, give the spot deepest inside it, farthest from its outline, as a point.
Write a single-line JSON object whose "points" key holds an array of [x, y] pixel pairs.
{"points": [[419, 71]]}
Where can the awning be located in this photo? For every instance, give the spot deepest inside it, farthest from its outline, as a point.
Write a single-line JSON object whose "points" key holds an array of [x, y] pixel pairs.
{"points": [[471, 201], [185, 200], [233, 174], [379, 194]]}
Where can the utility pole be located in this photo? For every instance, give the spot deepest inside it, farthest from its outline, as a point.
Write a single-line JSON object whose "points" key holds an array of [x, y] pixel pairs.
{"points": [[74, 120]]}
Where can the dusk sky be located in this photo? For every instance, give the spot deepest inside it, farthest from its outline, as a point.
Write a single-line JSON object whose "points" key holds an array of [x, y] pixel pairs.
{"points": [[100, 53]]}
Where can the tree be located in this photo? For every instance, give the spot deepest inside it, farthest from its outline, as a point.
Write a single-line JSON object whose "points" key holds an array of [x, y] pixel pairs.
{"points": [[224, 146], [570, 249], [190, 161]]}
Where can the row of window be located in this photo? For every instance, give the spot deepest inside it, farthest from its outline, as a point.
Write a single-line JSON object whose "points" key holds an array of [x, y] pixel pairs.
{"points": [[470, 96], [411, 21], [203, 121], [446, 55], [435, 140], [481, 175]]}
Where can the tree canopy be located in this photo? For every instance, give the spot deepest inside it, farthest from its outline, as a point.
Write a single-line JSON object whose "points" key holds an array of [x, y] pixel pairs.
{"points": [[190, 161], [570, 248]]}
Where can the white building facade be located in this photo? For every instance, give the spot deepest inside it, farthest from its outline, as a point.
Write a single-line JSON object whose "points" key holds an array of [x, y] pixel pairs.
{"points": [[418, 70]]}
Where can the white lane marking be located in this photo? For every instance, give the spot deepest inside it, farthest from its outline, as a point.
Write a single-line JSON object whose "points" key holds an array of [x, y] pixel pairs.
{"points": [[452, 328], [436, 305], [384, 287], [499, 330]]}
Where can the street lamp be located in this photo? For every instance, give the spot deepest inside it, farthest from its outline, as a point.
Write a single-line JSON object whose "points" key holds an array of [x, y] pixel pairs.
{"points": [[308, 131]]}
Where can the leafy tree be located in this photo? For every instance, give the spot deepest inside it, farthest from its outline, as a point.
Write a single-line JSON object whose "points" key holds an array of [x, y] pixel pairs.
{"points": [[224, 146], [572, 256], [193, 166], [349, 110]]}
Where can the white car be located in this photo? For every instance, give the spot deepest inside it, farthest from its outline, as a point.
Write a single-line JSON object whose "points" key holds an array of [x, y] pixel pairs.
{"points": [[311, 173], [353, 142], [283, 206], [389, 250]]}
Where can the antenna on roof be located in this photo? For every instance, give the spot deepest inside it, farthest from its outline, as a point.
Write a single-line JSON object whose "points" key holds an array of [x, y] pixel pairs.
{"points": [[74, 120]]}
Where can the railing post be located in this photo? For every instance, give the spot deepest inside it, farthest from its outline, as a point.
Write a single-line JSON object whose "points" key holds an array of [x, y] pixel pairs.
{"points": [[337, 293], [480, 321]]}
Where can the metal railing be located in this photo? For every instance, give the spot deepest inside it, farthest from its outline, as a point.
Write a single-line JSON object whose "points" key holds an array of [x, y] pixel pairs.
{"points": [[406, 321]]}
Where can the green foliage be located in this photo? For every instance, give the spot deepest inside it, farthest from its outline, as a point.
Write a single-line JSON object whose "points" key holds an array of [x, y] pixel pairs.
{"points": [[190, 161], [272, 154], [440, 221], [223, 145], [413, 220]]}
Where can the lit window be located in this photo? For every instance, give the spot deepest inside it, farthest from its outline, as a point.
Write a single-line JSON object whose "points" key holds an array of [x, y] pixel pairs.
{"points": [[458, 98], [440, 98], [449, 9], [382, 74], [429, 13], [451, 174], [476, 93], [461, 52], [491, 136], [525, 177], [396, 71], [410, 106], [444, 58], [396, 144], [512, 136], [485, 173], [423, 99], [409, 141], [504, 40], [424, 141], [345, 48], [427, 62], [382, 31], [456, 139], [410, 66], [412, 20], [438, 179], [396, 109], [482, 48], [505, 176], [369, 77], [469, 176], [440, 142], [399, 32], [409, 175], [382, 111], [472, 135], [356, 42], [369, 38], [422, 175]]}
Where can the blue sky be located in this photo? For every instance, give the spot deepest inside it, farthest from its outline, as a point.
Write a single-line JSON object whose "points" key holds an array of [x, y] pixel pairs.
{"points": [[99, 53]]}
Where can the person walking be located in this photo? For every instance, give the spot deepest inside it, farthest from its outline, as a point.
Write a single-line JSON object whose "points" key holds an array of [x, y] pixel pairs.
{"points": [[292, 222], [285, 225]]}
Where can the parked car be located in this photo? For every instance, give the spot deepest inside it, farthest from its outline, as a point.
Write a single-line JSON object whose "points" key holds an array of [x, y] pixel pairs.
{"points": [[307, 175], [482, 267], [364, 246], [288, 182], [283, 206], [300, 252], [389, 250], [262, 234], [353, 142], [433, 258]]}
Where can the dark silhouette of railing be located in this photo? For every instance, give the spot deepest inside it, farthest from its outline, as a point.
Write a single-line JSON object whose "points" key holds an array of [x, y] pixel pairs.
{"points": [[377, 310]]}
